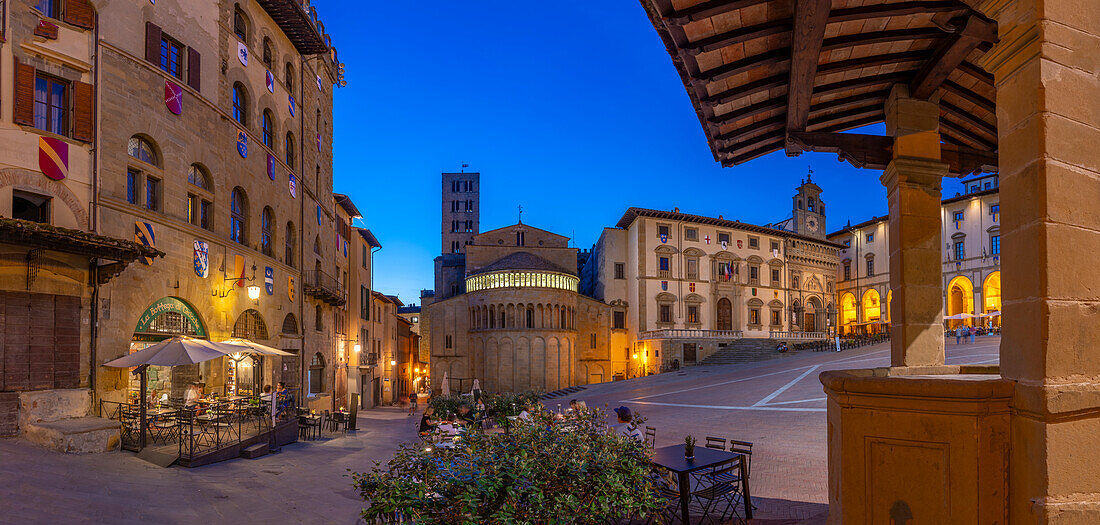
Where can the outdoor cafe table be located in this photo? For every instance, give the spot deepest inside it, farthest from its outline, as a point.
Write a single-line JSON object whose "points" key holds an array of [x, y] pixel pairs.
{"points": [[672, 458]]}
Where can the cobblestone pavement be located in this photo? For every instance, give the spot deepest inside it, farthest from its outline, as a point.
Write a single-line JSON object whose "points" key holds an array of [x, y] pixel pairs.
{"points": [[778, 405]]}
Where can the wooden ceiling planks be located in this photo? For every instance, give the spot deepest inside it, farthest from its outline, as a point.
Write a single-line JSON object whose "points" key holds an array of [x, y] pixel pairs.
{"points": [[756, 71]]}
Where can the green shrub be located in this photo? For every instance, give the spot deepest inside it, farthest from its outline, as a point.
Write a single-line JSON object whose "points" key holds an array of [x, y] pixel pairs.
{"points": [[539, 473]]}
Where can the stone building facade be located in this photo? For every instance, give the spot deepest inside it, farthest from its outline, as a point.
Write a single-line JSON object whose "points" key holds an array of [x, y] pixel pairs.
{"points": [[971, 232], [518, 323], [203, 129], [683, 286]]}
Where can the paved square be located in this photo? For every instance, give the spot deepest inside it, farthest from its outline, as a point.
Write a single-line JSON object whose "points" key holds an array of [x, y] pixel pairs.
{"points": [[778, 405]]}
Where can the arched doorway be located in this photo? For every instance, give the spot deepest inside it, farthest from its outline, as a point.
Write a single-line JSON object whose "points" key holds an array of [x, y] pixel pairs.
{"points": [[724, 315], [165, 318], [246, 374], [991, 298], [960, 299], [812, 317], [848, 314], [872, 310]]}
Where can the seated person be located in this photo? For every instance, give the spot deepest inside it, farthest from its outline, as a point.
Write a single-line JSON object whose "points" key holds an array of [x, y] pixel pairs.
{"points": [[193, 394], [426, 423], [624, 426], [465, 415]]}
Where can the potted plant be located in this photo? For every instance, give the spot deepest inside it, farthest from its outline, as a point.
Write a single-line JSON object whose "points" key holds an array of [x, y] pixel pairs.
{"points": [[689, 447]]}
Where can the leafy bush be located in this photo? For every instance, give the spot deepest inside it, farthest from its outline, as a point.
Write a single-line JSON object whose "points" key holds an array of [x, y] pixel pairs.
{"points": [[497, 406], [541, 472]]}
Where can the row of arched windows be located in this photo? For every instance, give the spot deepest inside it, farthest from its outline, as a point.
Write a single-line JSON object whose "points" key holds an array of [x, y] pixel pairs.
{"points": [[267, 56], [523, 316], [200, 205], [267, 124]]}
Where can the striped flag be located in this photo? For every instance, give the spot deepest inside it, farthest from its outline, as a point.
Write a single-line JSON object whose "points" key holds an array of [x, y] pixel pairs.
{"points": [[143, 233]]}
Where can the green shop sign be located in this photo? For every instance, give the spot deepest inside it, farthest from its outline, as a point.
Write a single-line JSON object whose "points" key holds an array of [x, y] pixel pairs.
{"points": [[163, 306]]}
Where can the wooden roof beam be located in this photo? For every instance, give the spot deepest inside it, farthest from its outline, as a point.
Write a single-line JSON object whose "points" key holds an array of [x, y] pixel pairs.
{"points": [[969, 118], [963, 161], [950, 54], [896, 9], [970, 96], [961, 131], [736, 36], [810, 19], [708, 9], [780, 102], [875, 152]]}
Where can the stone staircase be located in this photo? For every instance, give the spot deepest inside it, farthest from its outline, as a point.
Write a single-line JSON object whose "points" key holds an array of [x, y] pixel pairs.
{"points": [[59, 420], [747, 351], [563, 392]]}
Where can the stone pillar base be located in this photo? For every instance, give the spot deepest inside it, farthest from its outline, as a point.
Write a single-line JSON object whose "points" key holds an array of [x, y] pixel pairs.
{"points": [[918, 445]]}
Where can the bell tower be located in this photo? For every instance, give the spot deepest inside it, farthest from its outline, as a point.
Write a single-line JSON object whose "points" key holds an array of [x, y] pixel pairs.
{"points": [[809, 209]]}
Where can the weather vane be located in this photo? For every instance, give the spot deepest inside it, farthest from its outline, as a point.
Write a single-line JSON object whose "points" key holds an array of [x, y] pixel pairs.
{"points": [[520, 207]]}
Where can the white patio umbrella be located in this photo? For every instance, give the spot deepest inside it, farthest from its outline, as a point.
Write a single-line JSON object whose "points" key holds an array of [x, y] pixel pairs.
{"points": [[994, 313], [960, 316], [244, 345], [446, 386], [175, 351]]}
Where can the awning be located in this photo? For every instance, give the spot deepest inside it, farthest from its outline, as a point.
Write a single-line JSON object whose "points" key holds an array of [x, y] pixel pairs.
{"points": [[64, 240]]}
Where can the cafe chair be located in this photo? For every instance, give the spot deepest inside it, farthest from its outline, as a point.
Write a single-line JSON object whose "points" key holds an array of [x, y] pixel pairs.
{"points": [[723, 492], [651, 436], [715, 443], [339, 419], [743, 447]]}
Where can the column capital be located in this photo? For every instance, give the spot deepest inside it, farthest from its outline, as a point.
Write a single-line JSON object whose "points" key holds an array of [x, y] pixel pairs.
{"points": [[914, 172]]}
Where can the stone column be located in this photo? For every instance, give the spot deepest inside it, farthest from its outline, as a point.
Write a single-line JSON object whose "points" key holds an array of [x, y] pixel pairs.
{"points": [[1047, 70], [912, 181]]}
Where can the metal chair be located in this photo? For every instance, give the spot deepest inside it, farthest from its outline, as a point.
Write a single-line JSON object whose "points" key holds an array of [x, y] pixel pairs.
{"points": [[743, 447], [716, 443], [724, 487], [651, 436]]}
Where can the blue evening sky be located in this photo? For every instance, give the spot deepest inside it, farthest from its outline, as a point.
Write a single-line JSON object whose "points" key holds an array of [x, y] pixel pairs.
{"points": [[572, 110]]}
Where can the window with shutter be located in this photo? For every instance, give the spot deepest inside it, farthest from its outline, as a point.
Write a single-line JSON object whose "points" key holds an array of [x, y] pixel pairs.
{"points": [[153, 36], [80, 13], [24, 94], [83, 111], [194, 65]]}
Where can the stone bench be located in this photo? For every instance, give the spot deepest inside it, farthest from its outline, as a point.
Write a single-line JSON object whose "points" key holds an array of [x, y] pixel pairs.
{"points": [[79, 435]]}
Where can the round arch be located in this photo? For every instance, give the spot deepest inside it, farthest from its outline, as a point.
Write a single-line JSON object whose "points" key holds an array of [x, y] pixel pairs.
{"points": [[848, 313], [250, 325], [960, 300], [991, 296], [167, 317], [872, 308]]}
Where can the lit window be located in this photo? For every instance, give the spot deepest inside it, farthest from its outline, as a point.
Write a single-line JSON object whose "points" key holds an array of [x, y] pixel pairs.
{"points": [[693, 314]]}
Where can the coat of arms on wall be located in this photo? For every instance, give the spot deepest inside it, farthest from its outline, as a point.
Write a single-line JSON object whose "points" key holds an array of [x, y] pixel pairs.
{"points": [[202, 259], [242, 143], [293, 186], [53, 157], [269, 280], [173, 97]]}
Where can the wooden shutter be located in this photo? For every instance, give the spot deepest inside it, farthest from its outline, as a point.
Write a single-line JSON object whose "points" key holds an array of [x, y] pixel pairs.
{"points": [[24, 94], [194, 67], [80, 13], [83, 111], [152, 42]]}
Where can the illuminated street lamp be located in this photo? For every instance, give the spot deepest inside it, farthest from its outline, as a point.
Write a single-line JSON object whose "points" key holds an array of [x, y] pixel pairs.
{"points": [[357, 348], [254, 292]]}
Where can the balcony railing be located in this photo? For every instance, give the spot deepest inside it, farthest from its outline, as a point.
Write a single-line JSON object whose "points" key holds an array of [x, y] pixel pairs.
{"points": [[687, 333], [325, 287], [776, 334]]}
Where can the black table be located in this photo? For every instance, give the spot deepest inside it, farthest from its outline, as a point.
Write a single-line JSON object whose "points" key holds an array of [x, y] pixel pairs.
{"points": [[672, 458]]}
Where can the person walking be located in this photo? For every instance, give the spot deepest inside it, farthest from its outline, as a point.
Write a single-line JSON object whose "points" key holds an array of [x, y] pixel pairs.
{"points": [[413, 399], [970, 331], [958, 334]]}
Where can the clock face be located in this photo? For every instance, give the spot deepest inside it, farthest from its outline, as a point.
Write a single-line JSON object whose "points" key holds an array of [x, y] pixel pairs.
{"points": [[812, 225]]}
